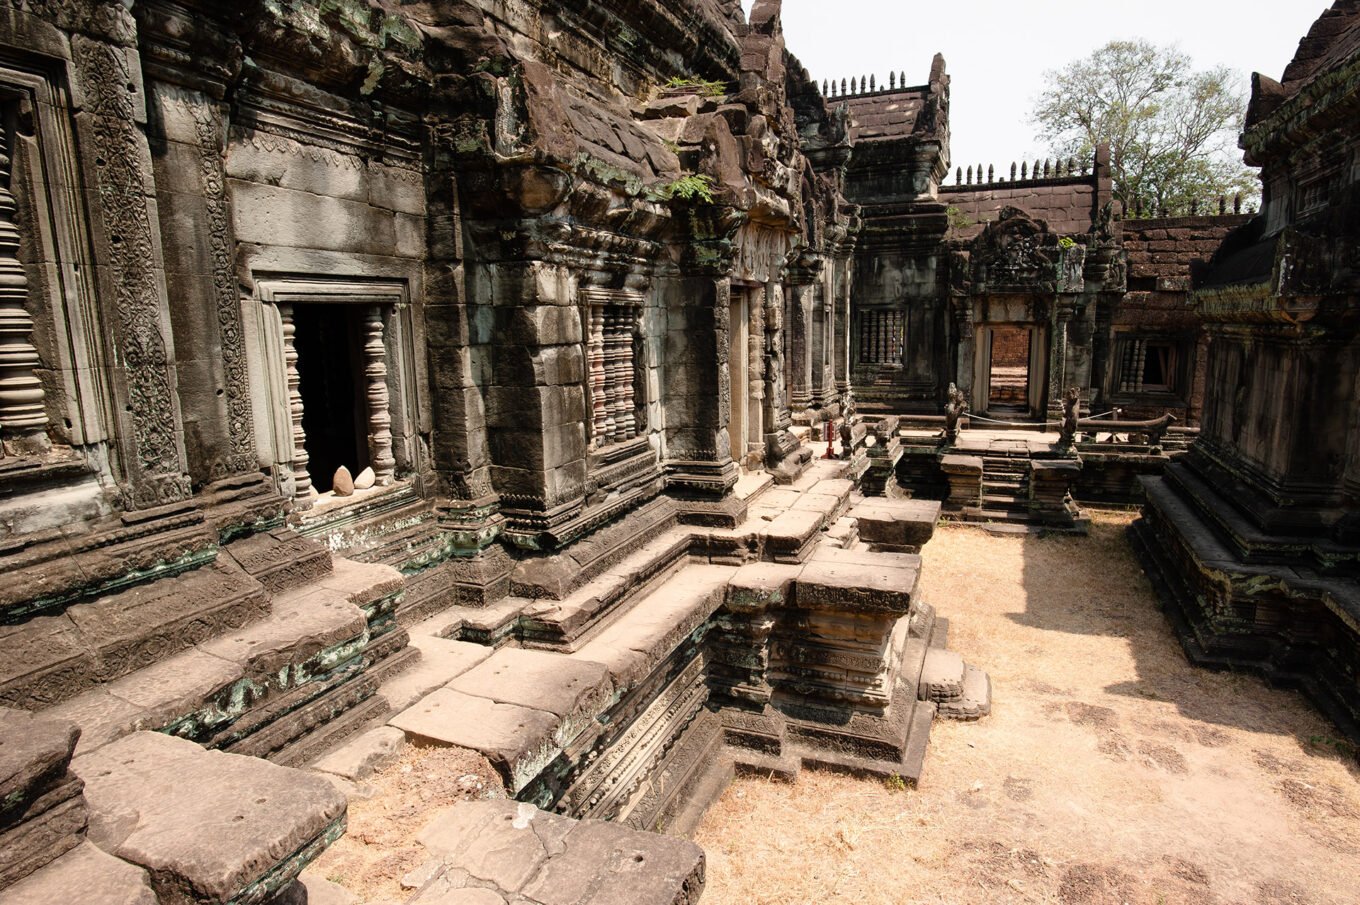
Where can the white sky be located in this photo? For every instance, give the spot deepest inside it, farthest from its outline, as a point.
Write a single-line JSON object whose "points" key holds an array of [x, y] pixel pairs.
{"points": [[997, 50]]}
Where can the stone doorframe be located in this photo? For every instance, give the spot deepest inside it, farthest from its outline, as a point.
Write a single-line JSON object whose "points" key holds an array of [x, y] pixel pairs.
{"points": [[388, 379], [1038, 365]]}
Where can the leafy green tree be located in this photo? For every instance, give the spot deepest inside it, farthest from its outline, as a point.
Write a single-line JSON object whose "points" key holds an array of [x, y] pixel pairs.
{"points": [[1172, 130]]}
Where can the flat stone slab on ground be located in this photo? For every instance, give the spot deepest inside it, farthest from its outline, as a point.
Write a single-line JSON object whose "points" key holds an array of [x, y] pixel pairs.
{"points": [[207, 825], [86, 875], [554, 860], [518, 741]]}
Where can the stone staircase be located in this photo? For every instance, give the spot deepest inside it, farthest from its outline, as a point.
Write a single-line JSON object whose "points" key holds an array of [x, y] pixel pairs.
{"points": [[1005, 489], [272, 649], [633, 692], [615, 682]]}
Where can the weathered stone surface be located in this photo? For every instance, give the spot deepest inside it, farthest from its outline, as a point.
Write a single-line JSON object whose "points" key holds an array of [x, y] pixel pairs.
{"points": [[645, 635], [303, 625], [519, 741], [896, 523], [34, 754], [208, 826], [553, 860], [564, 686], [364, 754], [441, 660], [852, 587], [365, 479], [86, 872]]}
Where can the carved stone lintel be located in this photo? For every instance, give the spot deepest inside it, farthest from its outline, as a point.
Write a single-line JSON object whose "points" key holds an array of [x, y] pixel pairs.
{"points": [[379, 415], [23, 411]]}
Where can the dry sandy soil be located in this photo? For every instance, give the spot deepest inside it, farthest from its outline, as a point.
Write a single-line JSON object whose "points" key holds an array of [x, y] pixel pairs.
{"points": [[1110, 771]]}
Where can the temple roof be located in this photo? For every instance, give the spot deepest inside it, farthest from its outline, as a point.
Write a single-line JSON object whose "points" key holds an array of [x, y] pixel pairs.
{"points": [[1333, 37]]}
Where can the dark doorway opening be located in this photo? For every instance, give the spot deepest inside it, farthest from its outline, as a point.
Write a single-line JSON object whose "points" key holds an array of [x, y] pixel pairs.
{"points": [[330, 379], [1009, 377]]}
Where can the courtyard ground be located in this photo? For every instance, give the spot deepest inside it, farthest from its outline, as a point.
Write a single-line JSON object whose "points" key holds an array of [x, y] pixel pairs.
{"points": [[1110, 770]]}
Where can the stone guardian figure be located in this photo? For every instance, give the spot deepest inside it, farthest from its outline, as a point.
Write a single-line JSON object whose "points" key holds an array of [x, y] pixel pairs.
{"points": [[1071, 408], [953, 411]]}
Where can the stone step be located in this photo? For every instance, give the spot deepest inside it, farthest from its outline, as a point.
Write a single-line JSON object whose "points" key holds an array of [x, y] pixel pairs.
{"points": [[908, 768], [843, 534], [261, 688], [519, 708], [503, 851], [829, 497], [440, 662], [897, 525], [975, 700], [55, 658], [568, 623], [647, 634], [942, 676], [280, 559], [100, 878], [42, 811], [207, 826], [1004, 501]]}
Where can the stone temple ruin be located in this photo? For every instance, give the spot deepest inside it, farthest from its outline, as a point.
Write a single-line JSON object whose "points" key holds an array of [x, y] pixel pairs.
{"points": [[579, 384]]}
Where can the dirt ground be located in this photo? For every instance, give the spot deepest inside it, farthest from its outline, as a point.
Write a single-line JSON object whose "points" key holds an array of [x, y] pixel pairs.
{"points": [[1110, 770], [389, 810]]}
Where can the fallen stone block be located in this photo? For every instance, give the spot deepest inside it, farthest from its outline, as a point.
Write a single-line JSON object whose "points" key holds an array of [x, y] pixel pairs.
{"points": [[209, 827]]}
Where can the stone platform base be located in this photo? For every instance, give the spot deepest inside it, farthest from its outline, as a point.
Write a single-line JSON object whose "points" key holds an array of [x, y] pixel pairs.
{"points": [[1289, 622]]}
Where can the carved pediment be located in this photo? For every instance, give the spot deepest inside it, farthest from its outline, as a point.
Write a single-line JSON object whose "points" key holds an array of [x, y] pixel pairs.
{"points": [[1014, 252]]}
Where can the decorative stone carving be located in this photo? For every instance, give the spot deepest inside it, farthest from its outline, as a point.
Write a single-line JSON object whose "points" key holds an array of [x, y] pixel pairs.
{"points": [[953, 411], [130, 256], [236, 379], [379, 416], [302, 481], [23, 413]]}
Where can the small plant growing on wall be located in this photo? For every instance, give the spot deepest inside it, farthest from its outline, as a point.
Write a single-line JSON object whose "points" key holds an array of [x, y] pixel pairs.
{"points": [[689, 187], [700, 86], [957, 218], [1067, 242]]}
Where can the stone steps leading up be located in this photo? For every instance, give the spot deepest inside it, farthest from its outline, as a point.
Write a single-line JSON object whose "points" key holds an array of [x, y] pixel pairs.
{"points": [[263, 688], [639, 640]]}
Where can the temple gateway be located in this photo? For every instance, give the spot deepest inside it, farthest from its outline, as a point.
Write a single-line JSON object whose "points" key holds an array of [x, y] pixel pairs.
{"points": [[580, 385]]}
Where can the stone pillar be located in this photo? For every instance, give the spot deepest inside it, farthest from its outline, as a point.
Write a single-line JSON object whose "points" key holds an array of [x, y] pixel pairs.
{"points": [[211, 370], [755, 363], [303, 493], [799, 346], [841, 271], [130, 274], [23, 411], [379, 415], [701, 469], [1057, 359]]}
